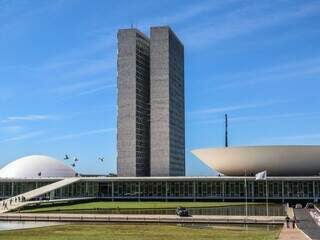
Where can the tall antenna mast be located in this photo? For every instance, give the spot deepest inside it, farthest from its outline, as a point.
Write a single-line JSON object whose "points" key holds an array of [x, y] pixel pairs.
{"points": [[226, 130]]}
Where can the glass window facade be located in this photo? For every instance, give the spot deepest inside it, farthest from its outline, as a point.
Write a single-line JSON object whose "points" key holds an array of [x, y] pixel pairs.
{"points": [[217, 188]]}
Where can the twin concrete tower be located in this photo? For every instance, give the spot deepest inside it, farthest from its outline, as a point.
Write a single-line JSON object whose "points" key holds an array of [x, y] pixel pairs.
{"points": [[151, 120]]}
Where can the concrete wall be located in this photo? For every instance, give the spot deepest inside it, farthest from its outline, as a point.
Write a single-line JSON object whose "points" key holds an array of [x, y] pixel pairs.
{"points": [[167, 103], [159, 99], [126, 135], [151, 122], [129, 163]]}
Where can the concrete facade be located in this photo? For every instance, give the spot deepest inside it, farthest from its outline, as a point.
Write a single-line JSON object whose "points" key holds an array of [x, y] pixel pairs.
{"points": [[151, 122], [281, 189], [133, 139], [167, 121]]}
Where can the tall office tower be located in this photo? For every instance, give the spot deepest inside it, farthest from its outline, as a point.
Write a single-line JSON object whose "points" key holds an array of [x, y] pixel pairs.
{"points": [[133, 140], [167, 103]]}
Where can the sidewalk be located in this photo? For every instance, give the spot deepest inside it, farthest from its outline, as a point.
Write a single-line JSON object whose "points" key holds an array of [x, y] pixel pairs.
{"points": [[292, 234]]}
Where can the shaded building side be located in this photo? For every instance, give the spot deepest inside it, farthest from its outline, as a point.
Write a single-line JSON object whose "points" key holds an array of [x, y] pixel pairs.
{"points": [[133, 137], [167, 120]]}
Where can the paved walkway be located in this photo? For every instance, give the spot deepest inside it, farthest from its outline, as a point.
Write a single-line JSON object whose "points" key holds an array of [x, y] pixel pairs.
{"points": [[17, 202], [307, 224], [292, 234]]}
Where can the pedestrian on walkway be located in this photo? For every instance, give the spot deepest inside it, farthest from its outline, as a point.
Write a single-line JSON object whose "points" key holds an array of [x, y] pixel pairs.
{"points": [[288, 221], [294, 222]]}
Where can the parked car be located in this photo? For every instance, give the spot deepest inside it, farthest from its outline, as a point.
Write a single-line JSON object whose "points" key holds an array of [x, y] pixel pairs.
{"points": [[309, 206], [182, 212], [298, 205]]}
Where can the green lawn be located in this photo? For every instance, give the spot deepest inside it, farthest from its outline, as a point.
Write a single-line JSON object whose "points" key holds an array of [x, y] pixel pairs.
{"points": [[126, 205], [135, 232]]}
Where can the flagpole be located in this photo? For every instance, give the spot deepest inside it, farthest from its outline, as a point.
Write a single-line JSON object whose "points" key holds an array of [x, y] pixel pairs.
{"points": [[267, 193], [246, 194], [263, 176]]}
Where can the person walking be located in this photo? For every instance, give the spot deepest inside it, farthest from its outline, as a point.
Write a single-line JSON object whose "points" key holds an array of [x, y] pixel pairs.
{"points": [[294, 220], [287, 221]]}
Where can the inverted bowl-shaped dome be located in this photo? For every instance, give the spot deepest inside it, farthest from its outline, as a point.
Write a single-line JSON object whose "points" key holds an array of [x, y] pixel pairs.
{"points": [[36, 166], [277, 160]]}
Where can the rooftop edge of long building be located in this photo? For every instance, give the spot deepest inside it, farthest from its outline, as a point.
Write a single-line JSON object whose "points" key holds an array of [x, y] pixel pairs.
{"points": [[188, 178]]}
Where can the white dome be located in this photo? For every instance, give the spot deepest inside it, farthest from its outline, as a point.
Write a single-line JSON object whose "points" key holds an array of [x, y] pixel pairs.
{"points": [[31, 166]]}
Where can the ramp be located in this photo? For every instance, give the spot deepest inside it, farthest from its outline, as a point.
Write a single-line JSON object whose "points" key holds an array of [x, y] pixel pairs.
{"points": [[22, 199], [307, 224]]}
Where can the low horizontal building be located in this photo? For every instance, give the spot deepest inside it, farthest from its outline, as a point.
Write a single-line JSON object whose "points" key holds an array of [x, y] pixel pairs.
{"points": [[172, 188], [222, 188]]}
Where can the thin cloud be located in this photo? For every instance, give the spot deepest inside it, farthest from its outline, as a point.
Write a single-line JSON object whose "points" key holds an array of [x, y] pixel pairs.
{"points": [[185, 13], [58, 64], [29, 118], [78, 87], [93, 68], [252, 118], [297, 137], [235, 107], [94, 110], [95, 90], [82, 55], [12, 129], [287, 71], [82, 88], [23, 137], [75, 68], [245, 20], [81, 134], [275, 116], [301, 139], [16, 17]]}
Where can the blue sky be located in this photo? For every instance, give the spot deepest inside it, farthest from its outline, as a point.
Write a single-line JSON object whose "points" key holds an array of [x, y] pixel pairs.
{"points": [[259, 61]]}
